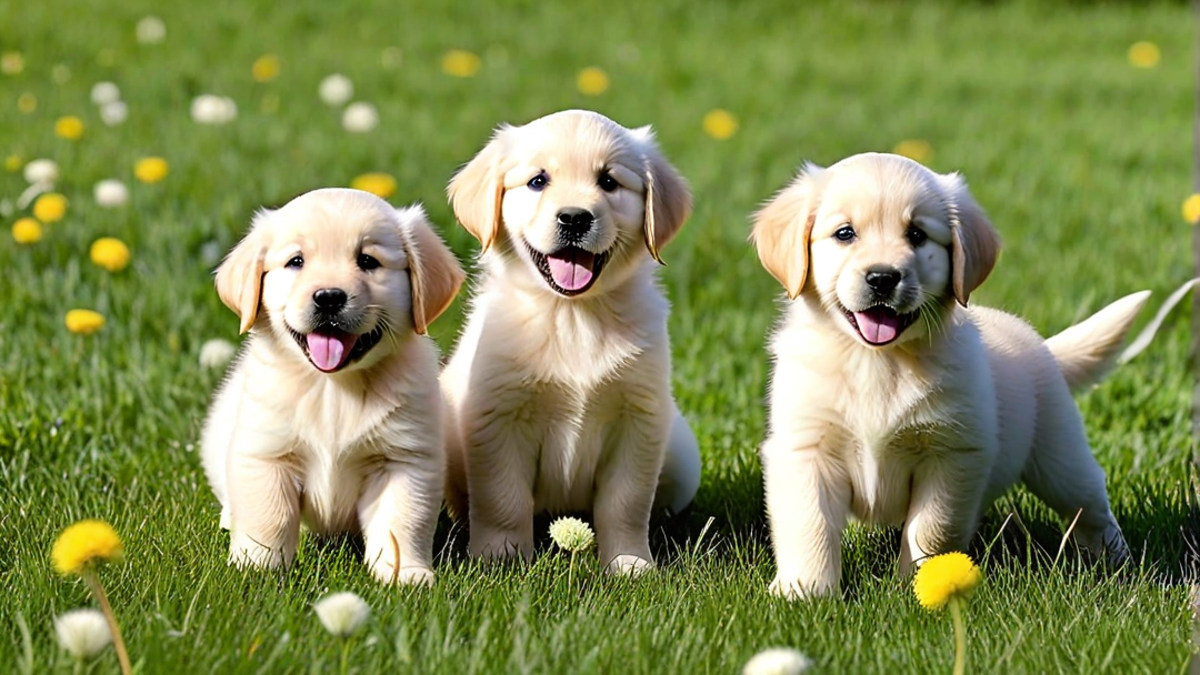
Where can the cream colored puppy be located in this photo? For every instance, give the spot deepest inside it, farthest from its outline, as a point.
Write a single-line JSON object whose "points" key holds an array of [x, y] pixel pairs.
{"points": [[892, 401], [559, 390], [331, 414]]}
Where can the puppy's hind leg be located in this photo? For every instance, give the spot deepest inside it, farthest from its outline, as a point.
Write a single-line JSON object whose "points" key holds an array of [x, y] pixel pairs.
{"points": [[680, 476], [1063, 473]]}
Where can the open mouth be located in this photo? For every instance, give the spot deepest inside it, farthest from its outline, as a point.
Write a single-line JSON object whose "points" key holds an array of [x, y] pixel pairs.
{"points": [[569, 270], [880, 325], [330, 349]]}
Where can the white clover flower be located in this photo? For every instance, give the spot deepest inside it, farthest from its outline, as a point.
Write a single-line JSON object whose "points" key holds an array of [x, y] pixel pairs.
{"points": [[777, 661], [104, 93], [114, 113], [151, 30], [336, 90], [43, 171], [360, 118], [216, 353], [343, 613], [110, 193], [83, 632], [572, 534], [211, 109]]}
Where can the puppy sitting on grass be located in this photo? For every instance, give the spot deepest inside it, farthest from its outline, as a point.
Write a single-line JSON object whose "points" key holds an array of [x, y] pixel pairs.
{"points": [[893, 401], [559, 391], [331, 414]]}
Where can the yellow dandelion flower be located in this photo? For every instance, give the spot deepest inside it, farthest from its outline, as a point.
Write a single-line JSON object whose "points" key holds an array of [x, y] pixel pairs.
{"points": [[12, 63], [1144, 54], [266, 68], [85, 543], [50, 208], [13, 163], [720, 124], [943, 577], [592, 81], [379, 184], [460, 63], [1191, 209], [27, 231], [915, 149], [26, 103], [84, 321], [110, 253], [151, 169], [69, 127]]}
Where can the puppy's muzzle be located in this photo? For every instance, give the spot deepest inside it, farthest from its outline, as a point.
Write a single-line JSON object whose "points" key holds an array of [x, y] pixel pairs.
{"points": [[574, 223]]}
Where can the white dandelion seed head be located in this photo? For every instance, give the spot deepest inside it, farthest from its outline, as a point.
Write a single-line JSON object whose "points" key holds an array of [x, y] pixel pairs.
{"points": [[572, 534], [212, 109], [343, 613], [777, 661], [151, 30], [216, 353], [360, 118], [41, 171], [113, 113], [104, 93], [111, 193], [336, 90], [83, 633]]}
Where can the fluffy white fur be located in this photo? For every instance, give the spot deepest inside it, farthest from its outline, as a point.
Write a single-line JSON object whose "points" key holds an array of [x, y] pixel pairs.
{"points": [[927, 427], [356, 449], [562, 402]]}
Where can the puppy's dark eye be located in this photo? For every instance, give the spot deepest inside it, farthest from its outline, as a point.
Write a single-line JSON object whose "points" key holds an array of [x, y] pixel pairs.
{"points": [[845, 234], [296, 262], [539, 182], [367, 263], [915, 236], [607, 182]]}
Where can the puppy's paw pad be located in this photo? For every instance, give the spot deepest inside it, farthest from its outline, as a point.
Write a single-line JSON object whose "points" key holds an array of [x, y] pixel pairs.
{"points": [[626, 565]]}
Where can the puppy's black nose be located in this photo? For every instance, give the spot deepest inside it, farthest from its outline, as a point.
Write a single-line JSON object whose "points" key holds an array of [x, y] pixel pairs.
{"points": [[329, 300], [576, 221], [883, 279]]}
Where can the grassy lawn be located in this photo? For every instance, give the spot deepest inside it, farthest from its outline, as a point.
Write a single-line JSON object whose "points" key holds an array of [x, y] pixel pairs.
{"points": [[1081, 160]]}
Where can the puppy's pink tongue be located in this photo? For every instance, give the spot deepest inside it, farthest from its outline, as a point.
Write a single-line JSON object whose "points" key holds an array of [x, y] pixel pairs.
{"points": [[571, 269], [878, 325], [329, 351]]}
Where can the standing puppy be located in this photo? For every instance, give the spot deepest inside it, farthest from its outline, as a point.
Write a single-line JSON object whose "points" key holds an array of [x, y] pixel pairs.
{"points": [[559, 391], [332, 413], [894, 402]]}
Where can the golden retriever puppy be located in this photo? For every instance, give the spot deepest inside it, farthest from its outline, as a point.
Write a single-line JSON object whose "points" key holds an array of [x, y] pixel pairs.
{"points": [[894, 402], [559, 391], [331, 414]]}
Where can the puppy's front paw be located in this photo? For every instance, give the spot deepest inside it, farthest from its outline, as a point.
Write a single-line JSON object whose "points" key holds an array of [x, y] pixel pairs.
{"points": [[794, 589], [501, 548], [626, 565], [415, 576], [245, 552]]}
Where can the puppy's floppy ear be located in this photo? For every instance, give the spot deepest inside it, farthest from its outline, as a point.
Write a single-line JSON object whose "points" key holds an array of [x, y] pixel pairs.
{"points": [[974, 245], [783, 227], [668, 199], [477, 190], [239, 278], [434, 273]]}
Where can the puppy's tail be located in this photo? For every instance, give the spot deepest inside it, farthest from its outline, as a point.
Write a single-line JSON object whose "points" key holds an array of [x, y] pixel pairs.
{"points": [[1086, 351]]}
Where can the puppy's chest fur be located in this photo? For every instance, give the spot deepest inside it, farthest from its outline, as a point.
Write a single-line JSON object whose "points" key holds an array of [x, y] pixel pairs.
{"points": [[568, 379], [334, 432], [875, 417]]}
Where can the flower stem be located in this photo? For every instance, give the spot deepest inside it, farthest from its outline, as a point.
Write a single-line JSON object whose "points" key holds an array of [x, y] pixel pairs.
{"points": [[960, 638], [571, 571], [345, 655], [93, 581]]}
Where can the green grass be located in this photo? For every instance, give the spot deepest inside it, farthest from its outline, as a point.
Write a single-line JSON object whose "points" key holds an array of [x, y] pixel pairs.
{"points": [[1081, 160]]}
